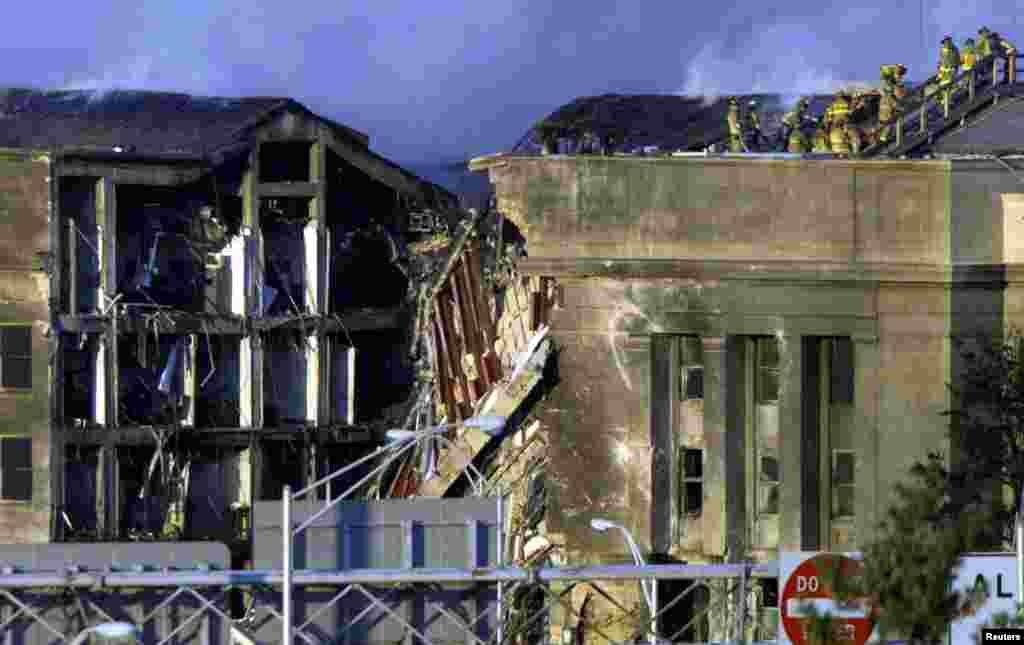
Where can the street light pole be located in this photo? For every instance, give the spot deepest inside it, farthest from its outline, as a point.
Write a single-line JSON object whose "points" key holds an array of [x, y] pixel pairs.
{"points": [[651, 596], [490, 424]]}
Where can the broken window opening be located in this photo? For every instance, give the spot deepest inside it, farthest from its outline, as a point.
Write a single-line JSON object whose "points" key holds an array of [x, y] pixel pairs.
{"points": [[143, 498], [355, 255], [79, 362], [15, 357], [78, 519], [284, 378], [386, 376], [81, 259], [333, 458], [213, 486], [282, 220], [151, 377], [171, 248], [218, 383], [283, 462], [285, 161]]}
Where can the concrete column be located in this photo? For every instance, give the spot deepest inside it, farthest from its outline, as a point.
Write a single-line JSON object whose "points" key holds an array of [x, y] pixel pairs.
{"points": [[793, 458], [251, 300], [715, 393], [866, 397]]}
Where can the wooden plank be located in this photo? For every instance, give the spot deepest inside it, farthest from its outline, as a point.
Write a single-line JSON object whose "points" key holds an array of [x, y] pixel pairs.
{"points": [[440, 367], [469, 298], [455, 347], [474, 344], [444, 361]]}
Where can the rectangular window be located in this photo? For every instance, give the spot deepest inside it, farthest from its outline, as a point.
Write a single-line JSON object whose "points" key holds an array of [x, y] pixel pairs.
{"points": [[16, 357], [842, 370], [692, 485], [691, 372], [844, 463], [768, 486], [16, 469], [767, 369]]}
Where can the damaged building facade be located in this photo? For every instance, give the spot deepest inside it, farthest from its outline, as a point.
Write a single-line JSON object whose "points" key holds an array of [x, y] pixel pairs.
{"points": [[755, 349], [206, 300]]}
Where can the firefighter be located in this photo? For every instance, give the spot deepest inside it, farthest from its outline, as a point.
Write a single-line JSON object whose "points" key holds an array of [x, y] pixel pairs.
{"points": [[791, 137], [838, 114], [984, 46], [735, 121], [821, 142], [1002, 47], [752, 129], [949, 64], [892, 80], [968, 56]]}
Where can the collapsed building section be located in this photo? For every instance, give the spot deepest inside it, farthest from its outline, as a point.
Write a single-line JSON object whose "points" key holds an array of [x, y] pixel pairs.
{"points": [[233, 310]]}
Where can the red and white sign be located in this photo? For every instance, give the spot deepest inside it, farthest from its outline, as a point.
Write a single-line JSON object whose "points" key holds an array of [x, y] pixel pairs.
{"points": [[805, 587]]}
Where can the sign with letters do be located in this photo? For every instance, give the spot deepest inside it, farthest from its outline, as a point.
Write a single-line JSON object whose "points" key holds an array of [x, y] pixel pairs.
{"points": [[803, 587]]}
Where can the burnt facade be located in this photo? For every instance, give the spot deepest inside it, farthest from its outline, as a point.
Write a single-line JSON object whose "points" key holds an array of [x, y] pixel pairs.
{"points": [[205, 300]]}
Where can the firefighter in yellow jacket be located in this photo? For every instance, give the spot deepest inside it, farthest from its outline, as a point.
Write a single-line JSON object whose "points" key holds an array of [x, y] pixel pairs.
{"points": [[735, 121], [792, 137], [984, 47], [1004, 49], [837, 117], [968, 56]]}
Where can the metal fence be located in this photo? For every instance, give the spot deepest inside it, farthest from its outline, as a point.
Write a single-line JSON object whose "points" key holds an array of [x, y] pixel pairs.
{"points": [[484, 606]]}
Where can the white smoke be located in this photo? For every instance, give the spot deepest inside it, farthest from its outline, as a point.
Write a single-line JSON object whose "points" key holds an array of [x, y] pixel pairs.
{"points": [[159, 71], [771, 63]]}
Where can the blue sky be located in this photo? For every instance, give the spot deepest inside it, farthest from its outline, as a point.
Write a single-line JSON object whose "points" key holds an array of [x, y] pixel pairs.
{"points": [[445, 79]]}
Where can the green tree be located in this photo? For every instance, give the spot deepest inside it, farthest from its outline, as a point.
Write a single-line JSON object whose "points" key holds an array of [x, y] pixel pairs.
{"points": [[987, 429]]}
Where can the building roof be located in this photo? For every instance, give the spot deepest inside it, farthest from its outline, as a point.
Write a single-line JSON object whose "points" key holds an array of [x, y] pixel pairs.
{"points": [[146, 124], [669, 121]]}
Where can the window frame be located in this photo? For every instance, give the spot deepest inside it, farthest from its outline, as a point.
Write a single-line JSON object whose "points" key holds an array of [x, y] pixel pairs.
{"points": [[4, 499], [691, 363], [686, 479], [5, 356], [836, 485]]}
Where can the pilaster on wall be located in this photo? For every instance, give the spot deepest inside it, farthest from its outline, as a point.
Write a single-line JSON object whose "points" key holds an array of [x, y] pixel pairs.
{"points": [[315, 237], [714, 508], [793, 531], [106, 226], [866, 393], [251, 348]]}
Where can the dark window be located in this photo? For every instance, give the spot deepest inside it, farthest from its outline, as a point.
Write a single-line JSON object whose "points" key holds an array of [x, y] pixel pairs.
{"points": [[768, 490], [693, 480], [767, 369], [16, 469], [691, 373], [844, 483], [16, 357], [842, 370]]}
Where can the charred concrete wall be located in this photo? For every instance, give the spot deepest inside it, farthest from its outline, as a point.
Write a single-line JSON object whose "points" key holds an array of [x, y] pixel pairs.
{"points": [[842, 283], [25, 213]]}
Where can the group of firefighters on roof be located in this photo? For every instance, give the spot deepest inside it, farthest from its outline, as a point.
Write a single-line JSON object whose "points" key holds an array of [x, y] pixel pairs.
{"points": [[841, 130]]}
